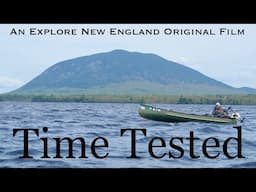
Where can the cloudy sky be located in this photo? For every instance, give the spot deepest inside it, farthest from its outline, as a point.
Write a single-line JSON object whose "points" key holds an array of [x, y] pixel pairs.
{"points": [[228, 57]]}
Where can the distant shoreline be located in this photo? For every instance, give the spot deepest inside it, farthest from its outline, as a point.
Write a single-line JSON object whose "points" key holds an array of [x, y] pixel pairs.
{"points": [[249, 99]]}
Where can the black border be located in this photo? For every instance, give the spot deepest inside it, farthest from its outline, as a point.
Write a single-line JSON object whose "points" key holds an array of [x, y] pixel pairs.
{"points": [[128, 177], [165, 177], [130, 12]]}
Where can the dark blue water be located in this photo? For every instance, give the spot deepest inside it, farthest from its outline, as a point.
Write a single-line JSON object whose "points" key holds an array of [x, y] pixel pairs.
{"points": [[92, 120]]}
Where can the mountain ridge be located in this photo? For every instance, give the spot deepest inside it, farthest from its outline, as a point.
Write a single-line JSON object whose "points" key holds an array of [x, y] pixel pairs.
{"points": [[120, 72]]}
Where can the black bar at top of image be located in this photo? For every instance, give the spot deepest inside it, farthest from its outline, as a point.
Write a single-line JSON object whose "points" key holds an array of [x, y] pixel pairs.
{"points": [[129, 13]]}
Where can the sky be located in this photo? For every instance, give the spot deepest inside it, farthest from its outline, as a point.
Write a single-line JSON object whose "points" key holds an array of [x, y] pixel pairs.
{"points": [[228, 56]]}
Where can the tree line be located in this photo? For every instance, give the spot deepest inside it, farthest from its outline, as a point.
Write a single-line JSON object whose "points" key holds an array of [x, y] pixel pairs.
{"points": [[249, 99]]}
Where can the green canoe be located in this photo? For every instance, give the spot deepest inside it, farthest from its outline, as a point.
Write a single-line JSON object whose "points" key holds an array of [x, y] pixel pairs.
{"points": [[158, 114]]}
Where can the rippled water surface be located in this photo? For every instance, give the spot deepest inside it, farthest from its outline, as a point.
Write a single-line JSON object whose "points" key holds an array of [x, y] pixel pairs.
{"points": [[92, 120]]}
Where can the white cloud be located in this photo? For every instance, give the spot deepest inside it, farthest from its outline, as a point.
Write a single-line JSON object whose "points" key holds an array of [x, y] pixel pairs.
{"points": [[8, 84]]}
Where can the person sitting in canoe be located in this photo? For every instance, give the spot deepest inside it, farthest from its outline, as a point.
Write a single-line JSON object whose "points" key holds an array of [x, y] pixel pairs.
{"points": [[218, 111]]}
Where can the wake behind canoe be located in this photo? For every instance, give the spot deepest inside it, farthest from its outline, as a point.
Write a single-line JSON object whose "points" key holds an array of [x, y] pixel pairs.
{"points": [[158, 114]]}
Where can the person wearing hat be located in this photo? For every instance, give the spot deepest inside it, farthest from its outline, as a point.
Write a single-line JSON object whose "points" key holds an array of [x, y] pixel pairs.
{"points": [[219, 112]]}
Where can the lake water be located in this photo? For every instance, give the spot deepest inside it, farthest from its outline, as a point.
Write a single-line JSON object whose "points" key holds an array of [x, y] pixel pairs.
{"points": [[92, 120]]}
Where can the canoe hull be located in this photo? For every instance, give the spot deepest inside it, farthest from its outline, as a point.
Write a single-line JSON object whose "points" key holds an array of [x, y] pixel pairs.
{"points": [[158, 114]]}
